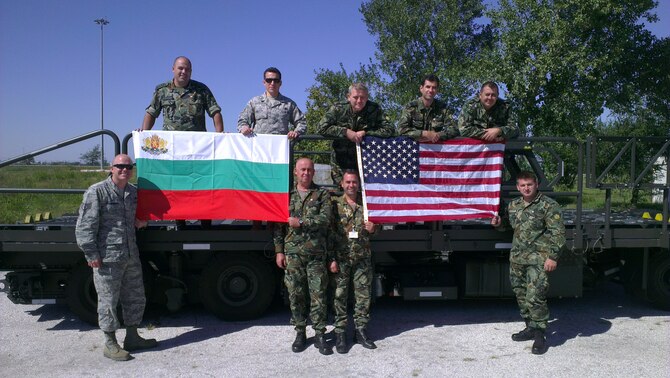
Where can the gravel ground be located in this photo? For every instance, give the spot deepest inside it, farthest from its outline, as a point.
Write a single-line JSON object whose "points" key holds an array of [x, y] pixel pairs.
{"points": [[603, 334]]}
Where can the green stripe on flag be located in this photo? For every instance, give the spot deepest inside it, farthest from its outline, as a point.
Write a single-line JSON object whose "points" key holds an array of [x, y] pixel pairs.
{"points": [[155, 174]]}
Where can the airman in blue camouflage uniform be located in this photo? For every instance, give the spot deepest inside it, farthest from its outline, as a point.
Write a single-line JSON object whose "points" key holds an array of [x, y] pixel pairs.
{"points": [[539, 236], [353, 119], [353, 262], [427, 119], [300, 248], [488, 117], [105, 231], [272, 112], [183, 102]]}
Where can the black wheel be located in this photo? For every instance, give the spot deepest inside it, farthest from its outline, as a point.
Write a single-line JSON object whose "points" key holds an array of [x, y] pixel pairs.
{"points": [[237, 286], [658, 286], [82, 298]]}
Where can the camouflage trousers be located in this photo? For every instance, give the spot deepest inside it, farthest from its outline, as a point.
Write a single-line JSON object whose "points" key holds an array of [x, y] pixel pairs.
{"points": [[356, 273], [119, 282], [530, 285], [306, 273]]}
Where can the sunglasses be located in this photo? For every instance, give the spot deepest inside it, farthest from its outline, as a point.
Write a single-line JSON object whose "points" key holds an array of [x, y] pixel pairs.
{"points": [[272, 80], [124, 166]]}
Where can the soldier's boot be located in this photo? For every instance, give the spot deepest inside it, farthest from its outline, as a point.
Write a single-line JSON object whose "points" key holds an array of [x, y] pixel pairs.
{"points": [[525, 334], [341, 342], [540, 343], [362, 338], [300, 341], [134, 341], [320, 342], [113, 350]]}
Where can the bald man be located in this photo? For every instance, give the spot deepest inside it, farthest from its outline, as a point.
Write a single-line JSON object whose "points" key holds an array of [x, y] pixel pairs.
{"points": [[105, 232]]}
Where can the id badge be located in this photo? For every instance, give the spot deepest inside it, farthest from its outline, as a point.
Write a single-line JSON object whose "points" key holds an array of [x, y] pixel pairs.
{"points": [[353, 234]]}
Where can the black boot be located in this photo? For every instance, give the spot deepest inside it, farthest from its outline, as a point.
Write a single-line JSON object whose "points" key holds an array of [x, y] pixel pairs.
{"points": [[362, 338], [525, 334], [299, 343], [341, 342], [320, 342], [540, 344]]}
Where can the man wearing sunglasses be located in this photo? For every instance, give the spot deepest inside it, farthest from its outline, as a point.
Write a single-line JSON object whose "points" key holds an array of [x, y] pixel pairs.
{"points": [[272, 112], [105, 232]]}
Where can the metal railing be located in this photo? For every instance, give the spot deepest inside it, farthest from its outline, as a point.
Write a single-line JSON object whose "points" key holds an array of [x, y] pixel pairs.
{"points": [[65, 143]]}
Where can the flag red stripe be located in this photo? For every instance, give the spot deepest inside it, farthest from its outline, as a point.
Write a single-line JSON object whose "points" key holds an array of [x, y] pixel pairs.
{"points": [[212, 204], [426, 194], [464, 181], [430, 206], [461, 168], [460, 154], [424, 218]]}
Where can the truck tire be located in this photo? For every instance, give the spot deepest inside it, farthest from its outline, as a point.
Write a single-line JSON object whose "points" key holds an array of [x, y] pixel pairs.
{"points": [[237, 286], [658, 286], [81, 296]]}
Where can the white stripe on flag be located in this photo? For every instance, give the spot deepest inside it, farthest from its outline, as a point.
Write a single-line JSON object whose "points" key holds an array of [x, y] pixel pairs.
{"points": [[188, 145]]}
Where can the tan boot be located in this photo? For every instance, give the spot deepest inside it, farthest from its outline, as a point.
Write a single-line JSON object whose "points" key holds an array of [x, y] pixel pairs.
{"points": [[113, 350], [133, 341]]}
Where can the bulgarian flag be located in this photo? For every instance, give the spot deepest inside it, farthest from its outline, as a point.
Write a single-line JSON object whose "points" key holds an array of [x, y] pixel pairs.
{"points": [[200, 175]]}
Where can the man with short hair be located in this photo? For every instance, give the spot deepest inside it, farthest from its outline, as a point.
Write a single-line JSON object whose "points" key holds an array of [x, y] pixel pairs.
{"points": [[353, 119], [427, 119], [539, 236], [300, 248], [184, 103], [488, 117], [105, 232], [272, 112], [353, 265]]}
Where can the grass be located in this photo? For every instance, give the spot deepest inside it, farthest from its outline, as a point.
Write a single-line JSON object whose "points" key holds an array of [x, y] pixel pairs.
{"points": [[621, 200], [14, 207]]}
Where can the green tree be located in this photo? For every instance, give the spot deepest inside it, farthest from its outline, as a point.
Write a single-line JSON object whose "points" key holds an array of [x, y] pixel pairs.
{"points": [[92, 157], [564, 62], [417, 37]]}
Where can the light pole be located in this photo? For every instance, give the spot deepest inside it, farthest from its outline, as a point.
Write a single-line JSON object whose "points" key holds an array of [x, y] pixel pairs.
{"points": [[102, 22]]}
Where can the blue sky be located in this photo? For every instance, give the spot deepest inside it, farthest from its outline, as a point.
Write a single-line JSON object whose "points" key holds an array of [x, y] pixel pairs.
{"points": [[50, 71]]}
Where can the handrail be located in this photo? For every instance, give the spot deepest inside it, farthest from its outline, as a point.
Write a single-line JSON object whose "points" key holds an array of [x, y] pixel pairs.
{"points": [[65, 143]]}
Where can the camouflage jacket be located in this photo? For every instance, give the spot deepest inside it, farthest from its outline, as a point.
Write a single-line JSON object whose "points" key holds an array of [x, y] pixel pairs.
{"points": [[267, 115], [345, 220], [340, 117], [416, 118], [539, 232], [106, 225], [315, 213], [474, 119], [183, 108]]}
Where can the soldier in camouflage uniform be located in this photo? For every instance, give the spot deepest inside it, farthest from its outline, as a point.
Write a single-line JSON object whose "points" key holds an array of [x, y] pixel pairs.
{"points": [[353, 263], [488, 117], [427, 119], [183, 101], [300, 248], [272, 112], [539, 236], [353, 119], [105, 231]]}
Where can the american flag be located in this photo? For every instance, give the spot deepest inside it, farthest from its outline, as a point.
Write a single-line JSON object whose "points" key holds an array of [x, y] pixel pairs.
{"points": [[408, 181]]}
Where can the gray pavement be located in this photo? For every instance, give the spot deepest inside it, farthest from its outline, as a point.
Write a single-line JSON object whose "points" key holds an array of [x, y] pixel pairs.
{"points": [[603, 334]]}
